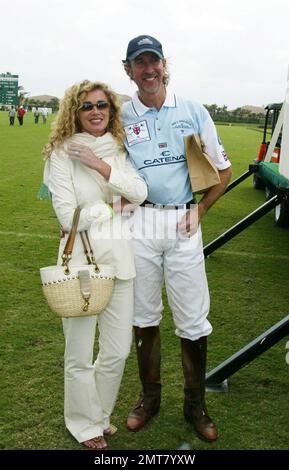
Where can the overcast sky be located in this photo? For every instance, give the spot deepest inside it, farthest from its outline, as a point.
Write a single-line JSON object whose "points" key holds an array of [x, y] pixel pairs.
{"points": [[228, 52]]}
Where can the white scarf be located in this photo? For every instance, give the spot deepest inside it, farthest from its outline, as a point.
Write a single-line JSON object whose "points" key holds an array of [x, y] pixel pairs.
{"points": [[103, 146]]}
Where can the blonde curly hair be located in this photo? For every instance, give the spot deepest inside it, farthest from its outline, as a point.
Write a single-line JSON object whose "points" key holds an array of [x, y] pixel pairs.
{"points": [[67, 123]]}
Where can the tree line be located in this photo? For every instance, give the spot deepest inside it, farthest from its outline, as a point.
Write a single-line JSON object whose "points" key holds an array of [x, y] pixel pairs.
{"points": [[238, 115], [27, 102], [218, 113]]}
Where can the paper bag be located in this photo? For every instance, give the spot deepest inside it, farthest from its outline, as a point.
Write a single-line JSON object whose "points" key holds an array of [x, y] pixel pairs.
{"points": [[202, 171]]}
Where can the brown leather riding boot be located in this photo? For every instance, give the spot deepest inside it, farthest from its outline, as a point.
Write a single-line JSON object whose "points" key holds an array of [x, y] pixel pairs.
{"points": [[149, 361], [194, 354]]}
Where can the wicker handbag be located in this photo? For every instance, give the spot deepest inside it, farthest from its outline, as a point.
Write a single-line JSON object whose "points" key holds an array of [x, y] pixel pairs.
{"points": [[74, 291]]}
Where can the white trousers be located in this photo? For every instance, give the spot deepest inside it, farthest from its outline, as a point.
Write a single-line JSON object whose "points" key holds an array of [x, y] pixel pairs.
{"points": [[91, 388], [165, 256]]}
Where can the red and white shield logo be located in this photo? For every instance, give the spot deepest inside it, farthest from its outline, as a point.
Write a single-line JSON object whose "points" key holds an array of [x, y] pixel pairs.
{"points": [[136, 129]]}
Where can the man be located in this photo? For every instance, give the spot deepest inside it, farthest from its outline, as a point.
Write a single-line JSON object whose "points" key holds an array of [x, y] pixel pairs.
{"points": [[20, 115], [11, 114], [156, 122], [36, 115], [44, 113]]}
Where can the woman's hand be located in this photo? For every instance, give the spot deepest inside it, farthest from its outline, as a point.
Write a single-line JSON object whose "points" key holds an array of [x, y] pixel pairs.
{"points": [[84, 154], [121, 204], [87, 157]]}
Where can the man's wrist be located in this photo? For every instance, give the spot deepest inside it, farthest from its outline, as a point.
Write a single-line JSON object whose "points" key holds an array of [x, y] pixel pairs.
{"points": [[202, 209]]}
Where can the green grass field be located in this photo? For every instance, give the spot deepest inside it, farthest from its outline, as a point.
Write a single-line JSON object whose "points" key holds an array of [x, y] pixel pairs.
{"points": [[249, 285]]}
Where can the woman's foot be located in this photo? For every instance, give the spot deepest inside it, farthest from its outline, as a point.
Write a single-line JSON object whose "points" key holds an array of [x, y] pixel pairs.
{"points": [[98, 443], [110, 431]]}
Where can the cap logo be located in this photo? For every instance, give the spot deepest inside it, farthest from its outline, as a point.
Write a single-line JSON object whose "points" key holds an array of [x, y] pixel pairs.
{"points": [[144, 41]]}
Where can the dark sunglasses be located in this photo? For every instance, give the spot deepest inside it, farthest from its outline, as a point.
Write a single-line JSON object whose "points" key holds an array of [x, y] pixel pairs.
{"points": [[88, 105]]}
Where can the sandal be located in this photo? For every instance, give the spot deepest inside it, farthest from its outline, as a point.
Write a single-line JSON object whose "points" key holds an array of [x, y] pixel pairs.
{"points": [[110, 431], [97, 443]]}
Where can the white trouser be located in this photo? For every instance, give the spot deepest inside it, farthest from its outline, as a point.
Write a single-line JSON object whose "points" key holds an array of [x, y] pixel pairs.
{"points": [[163, 255], [91, 388]]}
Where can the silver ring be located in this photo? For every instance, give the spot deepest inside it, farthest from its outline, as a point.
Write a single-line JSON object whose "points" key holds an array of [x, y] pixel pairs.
{"points": [[77, 152]]}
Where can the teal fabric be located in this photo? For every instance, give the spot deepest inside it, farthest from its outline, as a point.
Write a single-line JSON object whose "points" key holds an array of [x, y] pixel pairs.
{"points": [[43, 193], [270, 172]]}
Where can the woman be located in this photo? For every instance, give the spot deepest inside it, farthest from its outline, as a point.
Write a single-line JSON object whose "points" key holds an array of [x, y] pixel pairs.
{"points": [[88, 167]]}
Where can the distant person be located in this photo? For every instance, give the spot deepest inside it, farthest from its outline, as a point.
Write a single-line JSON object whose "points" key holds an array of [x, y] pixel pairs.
{"points": [[44, 113], [20, 115], [88, 166], [155, 122], [11, 114], [36, 115]]}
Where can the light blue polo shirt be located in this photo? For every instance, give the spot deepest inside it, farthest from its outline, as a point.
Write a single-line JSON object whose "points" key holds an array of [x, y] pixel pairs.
{"points": [[155, 143]]}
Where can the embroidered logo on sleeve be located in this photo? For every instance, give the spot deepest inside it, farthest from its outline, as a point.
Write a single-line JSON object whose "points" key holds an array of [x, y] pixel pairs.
{"points": [[224, 155], [137, 133]]}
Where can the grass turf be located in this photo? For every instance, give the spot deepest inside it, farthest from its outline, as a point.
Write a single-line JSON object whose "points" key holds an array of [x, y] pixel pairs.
{"points": [[248, 280]]}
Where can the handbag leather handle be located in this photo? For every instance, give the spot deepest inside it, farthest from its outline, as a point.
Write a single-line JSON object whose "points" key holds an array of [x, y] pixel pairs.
{"points": [[67, 252], [88, 250], [66, 256], [72, 234]]}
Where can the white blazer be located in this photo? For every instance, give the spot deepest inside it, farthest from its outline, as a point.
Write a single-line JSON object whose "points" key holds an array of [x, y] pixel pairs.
{"points": [[73, 184]]}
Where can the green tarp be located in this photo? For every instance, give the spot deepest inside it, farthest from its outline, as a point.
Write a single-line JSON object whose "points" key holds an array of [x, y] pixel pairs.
{"points": [[270, 172]]}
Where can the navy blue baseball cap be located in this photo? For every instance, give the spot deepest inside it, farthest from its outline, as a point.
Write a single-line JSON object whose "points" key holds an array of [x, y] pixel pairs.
{"points": [[143, 43]]}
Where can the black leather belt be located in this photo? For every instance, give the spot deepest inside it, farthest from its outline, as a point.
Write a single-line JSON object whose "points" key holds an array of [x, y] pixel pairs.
{"points": [[151, 205]]}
